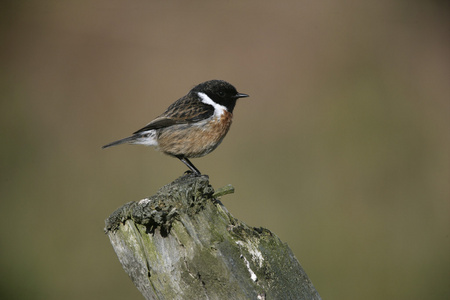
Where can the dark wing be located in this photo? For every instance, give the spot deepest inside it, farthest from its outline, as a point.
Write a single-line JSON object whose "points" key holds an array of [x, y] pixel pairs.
{"points": [[183, 111]]}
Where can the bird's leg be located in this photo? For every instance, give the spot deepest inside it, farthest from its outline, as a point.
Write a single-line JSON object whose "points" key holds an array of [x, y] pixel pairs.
{"points": [[188, 163]]}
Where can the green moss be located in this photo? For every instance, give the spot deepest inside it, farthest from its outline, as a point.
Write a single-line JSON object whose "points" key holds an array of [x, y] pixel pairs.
{"points": [[186, 245]]}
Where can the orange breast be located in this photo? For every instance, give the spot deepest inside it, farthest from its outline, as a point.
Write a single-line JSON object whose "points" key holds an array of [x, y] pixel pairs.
{"points": [[192, 140]]}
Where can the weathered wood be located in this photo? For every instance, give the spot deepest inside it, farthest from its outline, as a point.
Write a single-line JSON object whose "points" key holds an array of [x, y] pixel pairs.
{"points": [[182, 243]]}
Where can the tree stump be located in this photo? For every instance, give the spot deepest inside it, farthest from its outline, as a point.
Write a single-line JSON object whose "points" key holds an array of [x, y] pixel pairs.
{"points": [[182, 243]]}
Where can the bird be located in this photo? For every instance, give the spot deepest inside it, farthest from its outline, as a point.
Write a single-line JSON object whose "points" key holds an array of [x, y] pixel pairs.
{"points": [[193, 126]]}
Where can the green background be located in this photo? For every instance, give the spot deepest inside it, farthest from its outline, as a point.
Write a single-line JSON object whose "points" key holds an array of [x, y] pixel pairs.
{"points": [[342, 150]]}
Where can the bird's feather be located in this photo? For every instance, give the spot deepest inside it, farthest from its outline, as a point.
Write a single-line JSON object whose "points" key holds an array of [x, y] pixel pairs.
{"points": [[184, 111]]}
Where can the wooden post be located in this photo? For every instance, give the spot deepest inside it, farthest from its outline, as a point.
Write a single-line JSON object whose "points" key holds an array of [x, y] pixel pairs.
{"points": [[182, 243]]}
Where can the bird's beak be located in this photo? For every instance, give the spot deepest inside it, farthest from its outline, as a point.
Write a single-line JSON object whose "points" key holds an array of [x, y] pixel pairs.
{"points": [[241, 95]]}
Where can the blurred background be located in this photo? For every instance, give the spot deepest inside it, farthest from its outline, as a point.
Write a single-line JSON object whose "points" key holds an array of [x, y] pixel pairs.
{"points": [[342, 150]]}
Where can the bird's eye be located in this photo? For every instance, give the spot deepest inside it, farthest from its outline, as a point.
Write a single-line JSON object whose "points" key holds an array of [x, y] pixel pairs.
{"points": [[221, 93]]}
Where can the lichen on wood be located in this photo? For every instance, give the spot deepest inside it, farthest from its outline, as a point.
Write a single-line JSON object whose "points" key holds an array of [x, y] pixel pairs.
{"points": [[182, 243]]}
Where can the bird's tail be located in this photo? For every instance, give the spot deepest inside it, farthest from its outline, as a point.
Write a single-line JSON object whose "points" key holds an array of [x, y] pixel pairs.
{"points": [[147, 138], [119, 142]]}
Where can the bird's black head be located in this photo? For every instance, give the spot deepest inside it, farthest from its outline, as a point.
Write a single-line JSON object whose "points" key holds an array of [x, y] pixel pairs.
{"points": [[220, 92]]}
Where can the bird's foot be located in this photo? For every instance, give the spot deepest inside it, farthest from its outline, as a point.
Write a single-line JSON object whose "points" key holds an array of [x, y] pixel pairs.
{"points": [[192, 173]]}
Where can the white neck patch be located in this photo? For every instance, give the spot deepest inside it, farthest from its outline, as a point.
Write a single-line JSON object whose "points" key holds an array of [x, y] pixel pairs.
{"points": [[218, 109]]}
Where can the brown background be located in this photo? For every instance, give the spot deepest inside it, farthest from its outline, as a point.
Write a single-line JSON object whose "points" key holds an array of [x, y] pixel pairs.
{"points": [[342, 150]]}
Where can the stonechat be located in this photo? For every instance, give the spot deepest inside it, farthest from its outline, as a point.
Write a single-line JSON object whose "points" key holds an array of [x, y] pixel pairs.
{"points": [[192, 126]]}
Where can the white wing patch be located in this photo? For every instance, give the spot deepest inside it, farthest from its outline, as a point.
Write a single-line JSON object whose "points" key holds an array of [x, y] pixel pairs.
{"points": [[218, 109]]}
